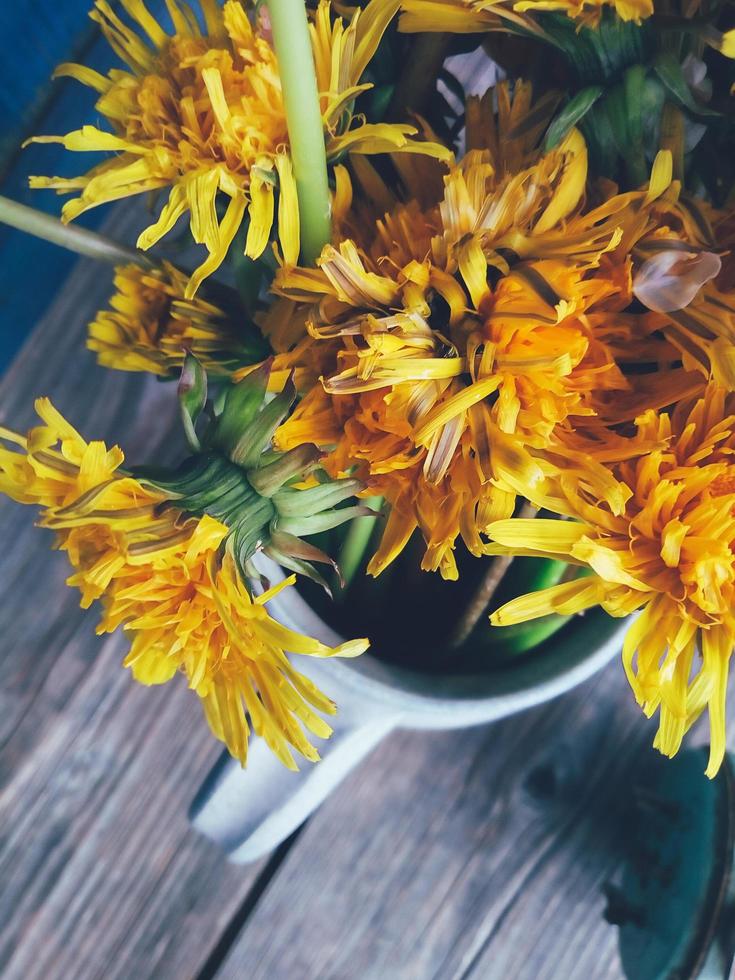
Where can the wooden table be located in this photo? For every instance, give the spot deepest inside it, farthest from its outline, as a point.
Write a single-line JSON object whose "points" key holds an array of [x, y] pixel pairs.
{"points": [[473, 854]]}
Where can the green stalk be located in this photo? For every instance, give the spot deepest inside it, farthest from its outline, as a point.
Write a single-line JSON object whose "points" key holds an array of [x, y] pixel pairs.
{"points": [[292, 45], [75, 239], [352, 552], [417, 81]]}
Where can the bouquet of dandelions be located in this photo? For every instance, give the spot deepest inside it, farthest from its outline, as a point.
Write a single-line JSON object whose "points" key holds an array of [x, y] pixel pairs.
{"points": [[420, 320]]}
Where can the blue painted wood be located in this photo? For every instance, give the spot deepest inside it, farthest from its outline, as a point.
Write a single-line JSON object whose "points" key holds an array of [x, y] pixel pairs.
{"points": [[37, 35], [31, 271]]}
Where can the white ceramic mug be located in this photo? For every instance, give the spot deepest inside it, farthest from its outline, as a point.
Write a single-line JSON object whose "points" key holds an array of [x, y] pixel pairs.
{"points": [[250, 811]]}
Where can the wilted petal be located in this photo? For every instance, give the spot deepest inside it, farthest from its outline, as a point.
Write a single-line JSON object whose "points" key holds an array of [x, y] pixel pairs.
{"points": [[671, 279]]}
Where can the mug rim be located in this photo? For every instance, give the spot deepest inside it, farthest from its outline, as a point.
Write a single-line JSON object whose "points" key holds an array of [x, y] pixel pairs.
{"points": [[567, 662]]}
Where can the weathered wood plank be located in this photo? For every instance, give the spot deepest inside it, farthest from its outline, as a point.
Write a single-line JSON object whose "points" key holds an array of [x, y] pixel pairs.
{"points": [[101, 875], [477, 854]]}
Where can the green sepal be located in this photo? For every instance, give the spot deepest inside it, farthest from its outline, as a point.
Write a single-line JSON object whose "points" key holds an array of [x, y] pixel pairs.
{"points": [[254, 437], [602, 147], [269, 478], [199, 482], [192, 394], [298, 566], [651, 97], [571, 114], [240, 405], [633, 82], [323, 521], [251, 530], [622, 107], [298, 555], [303, 503], [599, 55], [355, 543], [299, 548]]}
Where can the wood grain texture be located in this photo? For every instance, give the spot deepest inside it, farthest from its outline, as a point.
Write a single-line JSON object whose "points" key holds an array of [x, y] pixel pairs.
{"points": [[478, 854], [101, 875]]}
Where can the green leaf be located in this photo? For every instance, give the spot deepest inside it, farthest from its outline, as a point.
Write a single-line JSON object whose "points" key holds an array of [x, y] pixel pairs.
{"points": [[192, 392], [633, 81], [600, 143], [652, 97], [670, 72], [570, 115]]}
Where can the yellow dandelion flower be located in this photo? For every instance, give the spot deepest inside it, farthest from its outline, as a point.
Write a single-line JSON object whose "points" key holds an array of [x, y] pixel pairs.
{"points": [[465, 340], [588, 12], [150, 325], [201, 112], [522, 17], [171, 582], [670, 554], [470, 16]]}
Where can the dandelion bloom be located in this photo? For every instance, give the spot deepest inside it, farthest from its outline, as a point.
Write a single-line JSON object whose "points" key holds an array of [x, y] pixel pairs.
{"points": [[171, 582], [478, 15], [527, 17], [669, 554], [467, 339], [150, 325], [201, 112]]}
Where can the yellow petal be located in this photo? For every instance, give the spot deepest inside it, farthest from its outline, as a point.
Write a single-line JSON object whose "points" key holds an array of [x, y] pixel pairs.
{"points": [[565, 600], [261, 215], [289, 233], [453, 406], [174, 208], [227, 230], [398, 530], [661, 174], [570, 188], [544, 536]]}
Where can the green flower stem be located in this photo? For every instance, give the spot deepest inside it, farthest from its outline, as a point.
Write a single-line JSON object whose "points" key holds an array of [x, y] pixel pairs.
{"points": [[417, 82], [352, 552], [75, 239], [304, 120]]}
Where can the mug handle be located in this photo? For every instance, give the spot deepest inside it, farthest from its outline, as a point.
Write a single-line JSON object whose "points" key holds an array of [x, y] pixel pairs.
{"points": [[248, 812]]}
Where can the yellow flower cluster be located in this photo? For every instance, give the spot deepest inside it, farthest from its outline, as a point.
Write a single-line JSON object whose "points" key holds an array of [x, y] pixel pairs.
{"points": [[540, 319], [670, 552], [501, 343], [201, 112], [469, 16], [465, 344], [498, 15], [165, 578]]}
